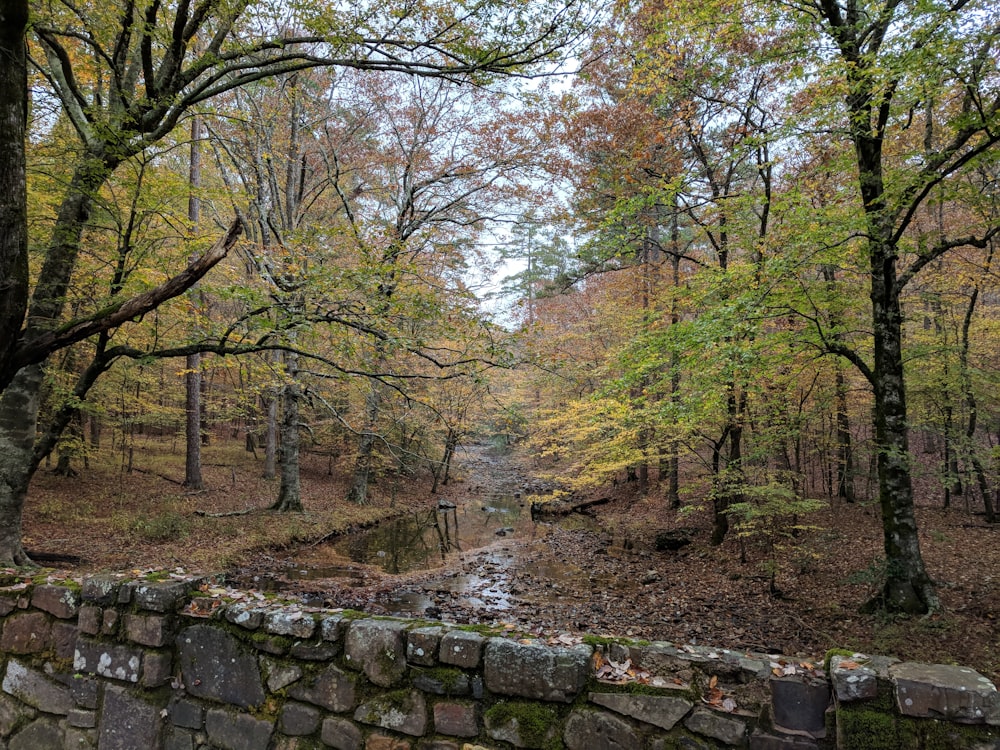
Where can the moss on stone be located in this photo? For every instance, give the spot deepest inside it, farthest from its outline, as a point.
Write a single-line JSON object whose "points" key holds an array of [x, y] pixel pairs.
{"points": [[447, 677], [861, 727], [534, 722], [931, 734], [832, 653]]}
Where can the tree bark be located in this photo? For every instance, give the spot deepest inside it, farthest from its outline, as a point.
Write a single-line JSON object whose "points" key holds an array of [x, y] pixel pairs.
{"points": [[289, 494], [358, 492], [13, 179], [192, 432], [192, 371], [271, 436], [907, 587]]}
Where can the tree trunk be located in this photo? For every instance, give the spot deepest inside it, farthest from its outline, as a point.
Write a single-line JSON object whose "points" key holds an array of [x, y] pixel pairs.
{"points": [[20, 399], [907, 588], [13, 180], [358, 493], [18, 417], [271, 437], [192, 432], [845, 451], [289, 494], [973, 409], [192, 375]]}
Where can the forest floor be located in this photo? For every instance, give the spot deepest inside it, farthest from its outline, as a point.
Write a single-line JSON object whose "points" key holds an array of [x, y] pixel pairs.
{"points": [[598, 573]]}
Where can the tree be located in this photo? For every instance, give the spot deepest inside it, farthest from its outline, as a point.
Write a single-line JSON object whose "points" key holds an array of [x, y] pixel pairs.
{"points": [[888, 56], [126, 78]]}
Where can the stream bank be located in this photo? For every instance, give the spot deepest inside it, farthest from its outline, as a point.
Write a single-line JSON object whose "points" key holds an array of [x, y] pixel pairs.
{"points": [[486, 561]]}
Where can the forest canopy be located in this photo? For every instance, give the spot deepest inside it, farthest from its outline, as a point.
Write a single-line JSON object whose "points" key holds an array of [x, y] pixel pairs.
{"points": [[749, 247]]}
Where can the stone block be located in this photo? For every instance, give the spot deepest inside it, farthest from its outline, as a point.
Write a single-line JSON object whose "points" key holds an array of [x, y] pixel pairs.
{"points": [[309, 651], [109, 621], [854, 682], [529, 725], [333, 628], [43, 732], [658, 658], [81, 718], [279, 675], [437, 744], [422, 646], [535, 671], [382, 742], [167, 596], [116, 661], [13, 714], [149, 630], [215, 665], [725, 728], [459, 719], [85, 691], [126, 591], [101, 590], [78, 738], [245, 615], [238, 731], [594, 730], [59, 601], [185, 713], [274, 645], [660, 711], [178, 739], [157, 668], [127, 722], [7, 605], [26, 633], [340, 734], [378, 647], [443, 682], [799, 704], [332, 688], [295, 624], [64, 636], [461, 648], [298, 719], [34, 688], [941, 691], [404, 712], [764, 741], [89, 620]]}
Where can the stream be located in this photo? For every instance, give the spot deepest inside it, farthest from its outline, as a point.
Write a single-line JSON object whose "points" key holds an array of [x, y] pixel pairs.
{"points": [[475, 559]]}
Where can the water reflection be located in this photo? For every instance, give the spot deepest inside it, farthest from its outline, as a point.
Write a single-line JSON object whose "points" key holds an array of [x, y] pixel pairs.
{"points": [[423, 540]]}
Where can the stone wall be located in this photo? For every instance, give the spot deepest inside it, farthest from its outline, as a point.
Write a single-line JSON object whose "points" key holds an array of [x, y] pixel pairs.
{"points": [[182, 664]]}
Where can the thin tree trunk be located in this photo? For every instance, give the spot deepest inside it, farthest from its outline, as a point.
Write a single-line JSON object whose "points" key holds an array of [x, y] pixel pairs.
{"points": [[358, 492], [192, 375], [972, 407], [271, 437], [192, 433], [289, 494], [845, 451]]}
